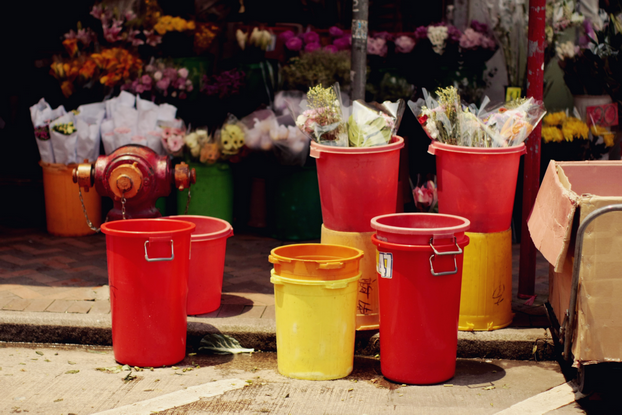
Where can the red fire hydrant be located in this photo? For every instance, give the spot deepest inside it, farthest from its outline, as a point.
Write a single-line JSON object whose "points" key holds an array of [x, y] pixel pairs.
{"points": [[134, 177]]}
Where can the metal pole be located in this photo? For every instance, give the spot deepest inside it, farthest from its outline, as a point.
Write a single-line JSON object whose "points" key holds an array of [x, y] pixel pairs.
{"points": [[531, 176], [358, 71]]}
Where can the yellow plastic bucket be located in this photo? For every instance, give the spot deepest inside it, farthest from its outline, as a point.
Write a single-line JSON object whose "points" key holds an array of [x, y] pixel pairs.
{"points": [[486, 296], [63, 210], [367, 312], [315, 311]]}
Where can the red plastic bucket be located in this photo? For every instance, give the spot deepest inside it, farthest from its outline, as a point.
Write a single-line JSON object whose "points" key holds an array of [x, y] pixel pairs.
{"points": [[207, 262], [356, 183], [419, 298], [148, 262], [477, 183]]}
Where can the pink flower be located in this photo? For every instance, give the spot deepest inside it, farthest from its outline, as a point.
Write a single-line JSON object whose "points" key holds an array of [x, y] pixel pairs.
{"points": [[183, 72], [286, 35], [334, 31], [311, 37], [153, 39], [425, 196], [294, 44], [111, 34], [85, 36], [145, 79], [343, 43], [470, 39], [310, 47], [70, 35], [163, 83], [129, 15], [131, 37], [377, 46], [175, 143], [331, 48], [404, 44]]}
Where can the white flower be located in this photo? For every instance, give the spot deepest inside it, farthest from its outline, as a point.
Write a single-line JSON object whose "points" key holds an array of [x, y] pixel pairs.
{"points": [[430, 127], [183, 72], [437, 36], [241, 38], [157, 76], [565, 50]]}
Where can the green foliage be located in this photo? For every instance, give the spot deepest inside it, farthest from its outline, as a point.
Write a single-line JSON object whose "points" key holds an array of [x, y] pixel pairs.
{"points": [[317, 67]]}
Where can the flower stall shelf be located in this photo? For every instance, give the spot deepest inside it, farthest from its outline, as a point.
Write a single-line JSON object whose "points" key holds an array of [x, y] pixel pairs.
{"points": [[477, 153]]}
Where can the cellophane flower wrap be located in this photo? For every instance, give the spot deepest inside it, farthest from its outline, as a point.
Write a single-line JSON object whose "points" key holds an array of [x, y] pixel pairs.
{"points": [[320, 116], [448, 121], [173, 134], [231, 137], [373, 124]]}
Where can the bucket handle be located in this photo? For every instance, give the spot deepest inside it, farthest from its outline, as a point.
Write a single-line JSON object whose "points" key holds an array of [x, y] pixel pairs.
{"points": [[331, 265], [274, 260], [458, 251], [159, 259]]}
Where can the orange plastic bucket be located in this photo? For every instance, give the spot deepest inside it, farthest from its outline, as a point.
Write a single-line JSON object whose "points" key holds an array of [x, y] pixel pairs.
{"points": [[207, 262], [148, 261], [477, 183], [357, 184], [419, 296], [63, 210]]}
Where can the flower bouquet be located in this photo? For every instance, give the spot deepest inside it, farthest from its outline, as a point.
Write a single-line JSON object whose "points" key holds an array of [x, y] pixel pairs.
{"points": [[374, 124], [231, 136], [568, 137], [447, 120], [173, 139], [202, 147], [320, 116]]}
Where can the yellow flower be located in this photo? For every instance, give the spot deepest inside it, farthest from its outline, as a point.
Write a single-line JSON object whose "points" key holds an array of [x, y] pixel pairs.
{"points": [[555, 118], [552, 134], [190, 25], [608, 138], [179, 24], [574, 128], [160, 28]]}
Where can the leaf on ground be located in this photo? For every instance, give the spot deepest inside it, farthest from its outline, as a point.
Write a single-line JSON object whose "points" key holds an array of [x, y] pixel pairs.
{"points": [[129, 377], [58, 400], [489, 388], [96, 351], [221, 344], [39, 353], [113, 369], [72, 372], [71, 363]]}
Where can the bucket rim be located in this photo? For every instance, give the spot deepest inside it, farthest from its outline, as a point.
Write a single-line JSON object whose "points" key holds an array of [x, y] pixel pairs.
{"points": [[433, 232], [359, 254], [397, 143], [463, 241], [314, 282], [108, 228], [435, 145], [226, 232]]}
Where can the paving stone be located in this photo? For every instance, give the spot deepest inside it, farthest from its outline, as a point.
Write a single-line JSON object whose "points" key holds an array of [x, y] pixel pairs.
{"points": [[230, 310], [79, 307], [18, 304], [100, 307], [250, 311], [269, 313], [38, 304], [59, 306]]}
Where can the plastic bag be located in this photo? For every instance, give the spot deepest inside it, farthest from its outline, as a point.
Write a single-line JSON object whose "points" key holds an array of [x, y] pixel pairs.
{"points": [[64, 135], [373, 124], [289, 144], [258, 126], [41, 115], [88, 123], [231, 136], [511, 123], [320, 116]]}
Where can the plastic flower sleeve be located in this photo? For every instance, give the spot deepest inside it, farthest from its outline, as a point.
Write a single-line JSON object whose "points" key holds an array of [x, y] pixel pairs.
{"points": [[231, 136], [63, 135], [373, 124], [439, 118], [258, 125], [320, 116], [290, 145], [88, 123], [41, 115], [107, 134], [511, 123]]}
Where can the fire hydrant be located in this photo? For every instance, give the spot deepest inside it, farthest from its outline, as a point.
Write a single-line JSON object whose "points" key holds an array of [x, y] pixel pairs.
{"points": [[134, 177]]}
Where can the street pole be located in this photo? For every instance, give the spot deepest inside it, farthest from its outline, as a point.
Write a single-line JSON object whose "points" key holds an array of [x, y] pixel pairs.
{"points": [[531, 176], [358, 70]]}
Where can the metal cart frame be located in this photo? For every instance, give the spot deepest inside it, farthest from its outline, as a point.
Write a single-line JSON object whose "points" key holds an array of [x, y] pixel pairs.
{"points": [[587, 377]]}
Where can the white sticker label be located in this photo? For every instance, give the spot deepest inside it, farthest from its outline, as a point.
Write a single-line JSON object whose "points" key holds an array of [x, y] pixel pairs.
{"points": [[385, 265]]}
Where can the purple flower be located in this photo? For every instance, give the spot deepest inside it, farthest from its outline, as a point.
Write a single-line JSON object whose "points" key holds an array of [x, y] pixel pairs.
{"points": [[153, 39], [131, 37], [404, 44], [343, 43], [101, 13], [145, 79], [479, 27], [330, 48], [294, 44], [286, 35], [453, 34], [311, 37], [310, 47], [421, 33], [334, 31], [86, 36], [376, 46]]}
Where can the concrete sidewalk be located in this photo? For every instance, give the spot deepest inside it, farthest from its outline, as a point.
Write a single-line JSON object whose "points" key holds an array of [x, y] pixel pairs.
{"points": [[54, 290]]}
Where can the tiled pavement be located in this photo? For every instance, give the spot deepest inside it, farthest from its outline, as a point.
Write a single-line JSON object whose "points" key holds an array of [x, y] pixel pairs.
{"points": [[43, 273]]}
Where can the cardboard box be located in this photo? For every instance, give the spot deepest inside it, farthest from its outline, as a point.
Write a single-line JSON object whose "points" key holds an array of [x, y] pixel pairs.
{"points": [[569, 192]]}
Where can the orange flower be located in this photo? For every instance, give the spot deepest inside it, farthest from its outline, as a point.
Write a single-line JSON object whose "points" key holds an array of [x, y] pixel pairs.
{"points": [[71, 46], [117, 65], [88, 69], [67, 88]]}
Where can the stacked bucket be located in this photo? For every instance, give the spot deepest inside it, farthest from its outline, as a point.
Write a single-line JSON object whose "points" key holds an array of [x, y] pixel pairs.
{"points": [[479, 184], [160, 271], [356, 184]]}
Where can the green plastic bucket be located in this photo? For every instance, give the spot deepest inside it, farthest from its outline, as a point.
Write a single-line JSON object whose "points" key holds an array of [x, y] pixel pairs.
{"points": [[211, 195], [294, 211]]}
